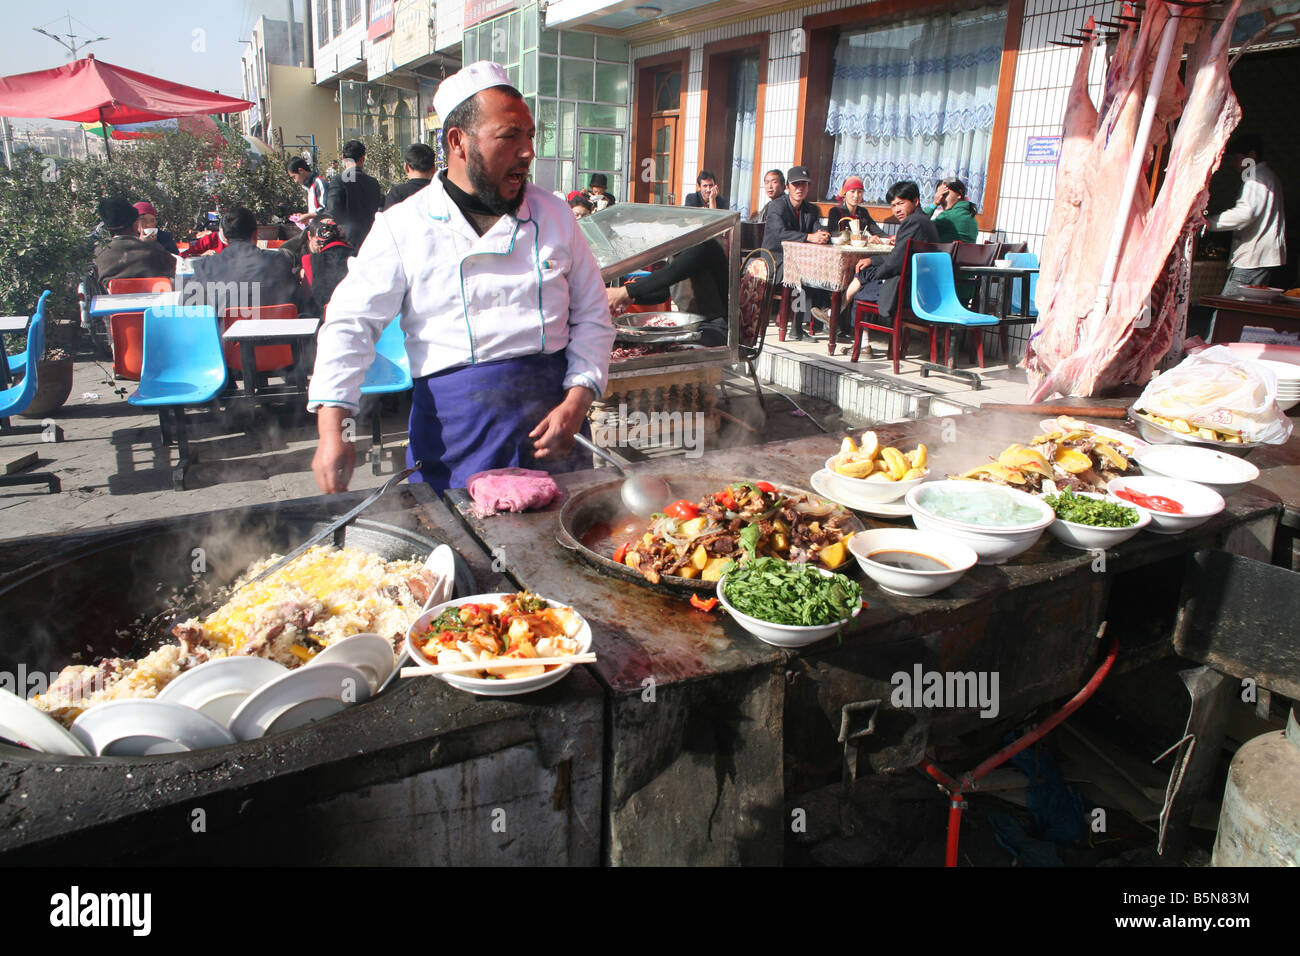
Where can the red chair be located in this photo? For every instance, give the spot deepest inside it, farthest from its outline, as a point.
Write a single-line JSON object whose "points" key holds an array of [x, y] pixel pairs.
{"points": [[127, 328], [269, 358], [864, 312], [274, 243]]}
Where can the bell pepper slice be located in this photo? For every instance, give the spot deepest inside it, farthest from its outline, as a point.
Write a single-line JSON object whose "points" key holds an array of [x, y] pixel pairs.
{"points": [[682, 508], [621, 553], [765, 486], [701, 605]]}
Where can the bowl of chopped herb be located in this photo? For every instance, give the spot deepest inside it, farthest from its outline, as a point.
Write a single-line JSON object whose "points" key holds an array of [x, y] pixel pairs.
{"points": [[788, 605], [1092, 522]]}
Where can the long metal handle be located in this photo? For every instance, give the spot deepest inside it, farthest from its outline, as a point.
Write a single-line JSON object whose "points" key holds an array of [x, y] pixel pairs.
{"points": [[329, 532], [589, 445]]}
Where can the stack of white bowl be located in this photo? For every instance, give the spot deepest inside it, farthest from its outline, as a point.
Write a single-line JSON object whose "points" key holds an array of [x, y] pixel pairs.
{"points": [[1288, 382]]}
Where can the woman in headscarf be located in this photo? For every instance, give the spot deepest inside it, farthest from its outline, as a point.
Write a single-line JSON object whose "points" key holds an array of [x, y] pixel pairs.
{"points": [[851, 207], [327, 262]]}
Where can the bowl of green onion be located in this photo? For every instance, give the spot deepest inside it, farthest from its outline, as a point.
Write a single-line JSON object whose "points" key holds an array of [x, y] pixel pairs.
{"points": [[788, 605], [1092, 522]]}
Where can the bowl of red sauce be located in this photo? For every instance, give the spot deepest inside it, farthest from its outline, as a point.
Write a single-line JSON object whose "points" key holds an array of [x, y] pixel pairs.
{"points": [[1174, 504]]}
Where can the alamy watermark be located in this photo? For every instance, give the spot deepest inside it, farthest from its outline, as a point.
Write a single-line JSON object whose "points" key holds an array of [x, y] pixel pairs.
{"points": [[653, 429], [951, 689]]}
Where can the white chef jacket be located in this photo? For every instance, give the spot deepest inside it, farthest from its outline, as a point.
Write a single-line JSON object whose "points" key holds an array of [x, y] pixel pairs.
{"points": [[1257, 222], [529, 285]]}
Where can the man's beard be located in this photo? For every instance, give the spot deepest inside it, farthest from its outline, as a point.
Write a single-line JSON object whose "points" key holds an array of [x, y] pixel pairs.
{"points": [[487, 191]]}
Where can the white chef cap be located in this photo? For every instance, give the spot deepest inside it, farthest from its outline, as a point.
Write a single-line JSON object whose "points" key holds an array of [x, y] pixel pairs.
{"points": [[460, 86]]}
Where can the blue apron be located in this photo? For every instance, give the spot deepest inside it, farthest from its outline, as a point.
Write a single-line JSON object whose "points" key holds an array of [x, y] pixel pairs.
{"points": [[477, 417]]}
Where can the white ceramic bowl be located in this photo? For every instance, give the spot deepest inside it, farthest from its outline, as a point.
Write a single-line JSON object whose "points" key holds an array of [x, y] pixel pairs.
{"points": [[481, 685], [959, 557], [993, 544], [837, 240], [879, 491], [1087, 537], [1200, 503], [784, 635], [1226, 474], [217, 688]]}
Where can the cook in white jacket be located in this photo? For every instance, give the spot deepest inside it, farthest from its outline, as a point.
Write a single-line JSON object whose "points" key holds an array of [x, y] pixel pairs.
{"points": [[1257, 221], [501, 301]]}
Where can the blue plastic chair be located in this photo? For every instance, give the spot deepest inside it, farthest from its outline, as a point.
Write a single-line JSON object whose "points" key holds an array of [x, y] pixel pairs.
{"points": [[1023, 260], [935, 302], [388, 374], [183, 365], [16, 399]]}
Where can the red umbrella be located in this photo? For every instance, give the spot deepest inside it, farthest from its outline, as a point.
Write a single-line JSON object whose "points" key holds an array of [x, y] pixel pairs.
{"points": [[90, 90]]}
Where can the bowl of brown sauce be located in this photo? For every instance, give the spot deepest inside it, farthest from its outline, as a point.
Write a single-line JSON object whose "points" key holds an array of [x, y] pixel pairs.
{"points": [[909, 562]]}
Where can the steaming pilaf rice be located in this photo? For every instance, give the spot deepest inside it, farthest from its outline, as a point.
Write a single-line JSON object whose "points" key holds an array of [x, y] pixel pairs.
{"points": [[289, 617]]}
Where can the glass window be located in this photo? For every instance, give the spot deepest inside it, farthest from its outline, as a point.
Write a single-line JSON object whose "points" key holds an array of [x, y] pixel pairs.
{"points": [[549, 41], [336, 19], [354, 11], [547, 65], [512, 72], [566, 184], [531, 16], [350, 96], [530, 72], [611, 82], [576, 79], [578, 44], [600, 151], [916, 100], [668, 89], [548, 130], [568, 131], [544, 174], [599, 115], [469, 46], [611, 48]]}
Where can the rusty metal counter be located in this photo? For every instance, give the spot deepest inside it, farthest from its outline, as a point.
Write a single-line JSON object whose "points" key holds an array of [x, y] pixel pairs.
{"points": [[707, 728]]}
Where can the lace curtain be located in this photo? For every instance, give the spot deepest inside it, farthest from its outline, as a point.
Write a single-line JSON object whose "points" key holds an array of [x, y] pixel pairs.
{"points": [[744, 86], [916, 101]]}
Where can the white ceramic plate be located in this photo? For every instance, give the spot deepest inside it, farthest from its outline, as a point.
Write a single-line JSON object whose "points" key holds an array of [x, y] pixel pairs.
{"points": [[368, 653], [299, 697], [442, 564], [24, 724], [1224, 473], [135, 728], [1200, 503], [1132, 441], [821, 483], [483, 686], [217, 688]]}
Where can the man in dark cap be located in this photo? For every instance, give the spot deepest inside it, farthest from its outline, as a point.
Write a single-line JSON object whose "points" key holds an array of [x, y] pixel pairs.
{"points": [[127, 256], [596, 193], [791, 218]]}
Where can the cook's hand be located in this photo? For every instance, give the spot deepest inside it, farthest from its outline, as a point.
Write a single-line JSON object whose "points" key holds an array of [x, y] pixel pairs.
{"points": [[335, 458], [553, 436], [821, 237]]}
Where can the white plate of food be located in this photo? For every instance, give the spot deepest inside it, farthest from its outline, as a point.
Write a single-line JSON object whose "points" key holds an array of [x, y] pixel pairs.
{"points": [[503, 624], [1132, 442], [821, 483], [217, 688], [137, 728], [369, 653], [298, 698], [26, 726]]}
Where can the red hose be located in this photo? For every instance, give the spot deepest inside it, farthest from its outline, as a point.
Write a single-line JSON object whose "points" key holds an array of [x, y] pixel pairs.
{"points": [[954, 787]]}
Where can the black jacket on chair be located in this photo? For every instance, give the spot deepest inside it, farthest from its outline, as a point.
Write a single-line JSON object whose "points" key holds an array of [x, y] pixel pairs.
{"points": [[129, 257], [916, 226], [243, 275], [784, 223]]}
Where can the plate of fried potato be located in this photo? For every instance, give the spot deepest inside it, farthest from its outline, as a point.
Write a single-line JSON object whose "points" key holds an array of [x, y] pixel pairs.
{"points": [[1160, 430], [868, 470]]}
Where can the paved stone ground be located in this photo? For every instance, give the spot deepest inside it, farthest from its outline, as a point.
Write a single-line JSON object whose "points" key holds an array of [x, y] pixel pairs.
{"points": [[114, 468]]}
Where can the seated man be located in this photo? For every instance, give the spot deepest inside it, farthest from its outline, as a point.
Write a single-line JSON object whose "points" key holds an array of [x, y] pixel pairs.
{"points": [[597, 194], [795, 219], [147, 228], [877, 280], [706, 193], [705, 265], [127, 256], [243, 276]]}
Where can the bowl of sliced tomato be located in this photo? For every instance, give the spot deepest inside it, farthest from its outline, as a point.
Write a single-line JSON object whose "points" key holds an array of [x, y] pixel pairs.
{"points": [[1175, 505]]}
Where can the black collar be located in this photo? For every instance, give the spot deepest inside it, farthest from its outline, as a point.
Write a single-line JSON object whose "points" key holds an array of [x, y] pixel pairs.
{"points": [[467, 203]]}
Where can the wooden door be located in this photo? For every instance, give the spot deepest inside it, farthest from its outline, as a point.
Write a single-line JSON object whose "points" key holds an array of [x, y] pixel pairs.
{"points": [[665, 181]]}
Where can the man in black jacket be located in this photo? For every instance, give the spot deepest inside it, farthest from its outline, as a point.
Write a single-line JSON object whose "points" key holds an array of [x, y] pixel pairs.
{"points": [[706, 193], [878, 279], [127, 256], [353, 197], [241, 275], [420, 163], [790, 218]]}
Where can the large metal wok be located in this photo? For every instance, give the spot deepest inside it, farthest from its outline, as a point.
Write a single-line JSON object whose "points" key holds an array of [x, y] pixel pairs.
{"points": [[586, 514]]}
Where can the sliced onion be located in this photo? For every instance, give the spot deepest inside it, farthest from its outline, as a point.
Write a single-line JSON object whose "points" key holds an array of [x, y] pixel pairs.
{"points": [[806, 506]]}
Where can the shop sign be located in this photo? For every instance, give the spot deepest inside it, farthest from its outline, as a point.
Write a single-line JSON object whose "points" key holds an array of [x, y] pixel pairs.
{"points": [[412, 21], [476, 11], [1042, 150], [381, 18]]}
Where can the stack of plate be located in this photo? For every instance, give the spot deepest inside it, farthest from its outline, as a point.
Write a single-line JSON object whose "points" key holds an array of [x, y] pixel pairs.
{"points": [[1259, 293], [1288, 382]]}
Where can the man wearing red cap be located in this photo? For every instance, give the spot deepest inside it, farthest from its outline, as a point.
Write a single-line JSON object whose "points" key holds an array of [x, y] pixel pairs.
{"points": [[147, 228]]}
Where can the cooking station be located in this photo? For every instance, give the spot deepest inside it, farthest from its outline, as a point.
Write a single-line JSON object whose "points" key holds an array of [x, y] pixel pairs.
{"points": [[684, 744]]}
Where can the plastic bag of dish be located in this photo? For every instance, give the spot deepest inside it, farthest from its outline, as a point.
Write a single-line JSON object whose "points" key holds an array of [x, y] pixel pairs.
{"points": [[1219, 390]]}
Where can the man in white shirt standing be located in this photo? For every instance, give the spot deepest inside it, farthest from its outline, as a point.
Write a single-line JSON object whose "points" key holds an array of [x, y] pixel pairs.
{"points": [[501, 302], [1258, 220], [300, 172]]}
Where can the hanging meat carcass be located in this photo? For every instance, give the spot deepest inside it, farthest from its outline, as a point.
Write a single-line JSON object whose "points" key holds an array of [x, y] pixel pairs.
{"points": [[1093, 333]]}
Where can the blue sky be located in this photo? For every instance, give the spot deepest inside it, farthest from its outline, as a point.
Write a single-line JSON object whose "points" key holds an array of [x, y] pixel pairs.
{"points": [[193, 43]]}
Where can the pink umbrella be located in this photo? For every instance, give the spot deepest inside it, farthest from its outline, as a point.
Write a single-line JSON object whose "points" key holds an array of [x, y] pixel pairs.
{"points": [[89, 90]]}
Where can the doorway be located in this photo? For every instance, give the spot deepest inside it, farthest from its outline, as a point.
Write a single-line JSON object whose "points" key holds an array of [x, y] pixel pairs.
{"points": [[657, 141]]}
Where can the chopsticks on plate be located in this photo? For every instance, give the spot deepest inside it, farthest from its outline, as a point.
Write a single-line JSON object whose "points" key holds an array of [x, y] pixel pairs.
{"points": [[469, 667]]}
